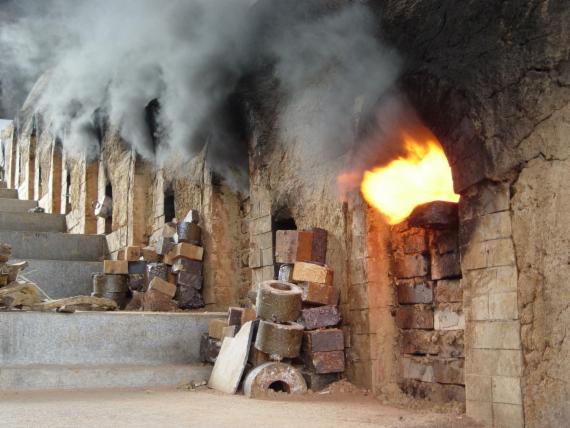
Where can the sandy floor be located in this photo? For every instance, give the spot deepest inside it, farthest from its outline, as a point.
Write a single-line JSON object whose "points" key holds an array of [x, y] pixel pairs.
{"points": [[206, 408]]}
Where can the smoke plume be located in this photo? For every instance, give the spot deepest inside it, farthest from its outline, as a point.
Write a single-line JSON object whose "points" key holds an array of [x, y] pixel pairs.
{"points": [[116, 57]]}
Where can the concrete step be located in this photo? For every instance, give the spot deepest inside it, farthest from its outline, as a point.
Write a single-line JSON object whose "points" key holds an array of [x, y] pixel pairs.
{"points": [[16, 205], [54, 246], [101, 338], [8, 193], [43, 377], [62, 278], [32, 222]]}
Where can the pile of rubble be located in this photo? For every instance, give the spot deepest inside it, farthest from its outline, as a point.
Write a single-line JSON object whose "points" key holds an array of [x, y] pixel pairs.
{"points": [[292, 343], [164, 277]]}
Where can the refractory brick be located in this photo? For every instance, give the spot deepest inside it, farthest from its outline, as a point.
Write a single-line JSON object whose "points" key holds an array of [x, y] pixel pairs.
{"points": [[331, 339], [414, 291], [320, 317], [415, 316]]}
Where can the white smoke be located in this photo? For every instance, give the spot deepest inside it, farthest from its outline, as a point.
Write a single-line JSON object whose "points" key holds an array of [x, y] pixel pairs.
{"points": [[116, 56]]}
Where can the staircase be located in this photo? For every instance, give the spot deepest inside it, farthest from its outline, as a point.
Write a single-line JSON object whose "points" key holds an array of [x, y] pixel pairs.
{"points": [[60, 263], [85, 350]]}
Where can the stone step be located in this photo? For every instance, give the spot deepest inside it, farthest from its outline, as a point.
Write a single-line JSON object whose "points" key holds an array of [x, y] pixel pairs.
{"points": [[62, 278], [16, 205], [32, 222], [101, 338], [8, 193], [49, 377], [54, 246]]}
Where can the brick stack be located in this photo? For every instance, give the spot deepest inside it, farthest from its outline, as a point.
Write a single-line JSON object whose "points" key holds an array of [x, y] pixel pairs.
{"points": [[430, 315], [302, 255], [164, 277]]}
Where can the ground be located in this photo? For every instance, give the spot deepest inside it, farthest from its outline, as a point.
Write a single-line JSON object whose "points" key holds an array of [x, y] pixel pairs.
{"points": [[206, 408]]}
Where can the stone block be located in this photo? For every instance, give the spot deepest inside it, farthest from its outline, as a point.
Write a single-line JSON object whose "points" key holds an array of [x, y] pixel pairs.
{"points": [[507, 390], [503, 306], [451, 344], [415, 316], [149, 254], [331, 339], [230, 331], [137, 268], [189, 251], [188, 232], [263, 241], [449, 371], [188, 279], [325, 362], [420, 342], [410, 265], [321, 294], [186, 265], [483, 199], [190, 298], [209, 349], [410, 241], [260, 225], [444, 241], [435, 215], [320, 317], [292, 246], [265, 273], [478, 388], [320, 243], [445, 265], [496, 335], [116, 267], [163, 245], [480, 411], [435, 392], [500, 252], [449, 317], [156, 270], [449, 291], [267, 257], [255, 257], [132, 253], [479, 309], [490, 362], [414, 291], [216, 328], [417, 368], [508, 415], [235, 315], [156, 301], [162, 286], [310, 272]]}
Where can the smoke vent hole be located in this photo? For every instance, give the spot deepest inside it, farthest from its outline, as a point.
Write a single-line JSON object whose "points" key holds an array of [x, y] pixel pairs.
{"points": [[109, 220], [169, 207], [280, 386]]}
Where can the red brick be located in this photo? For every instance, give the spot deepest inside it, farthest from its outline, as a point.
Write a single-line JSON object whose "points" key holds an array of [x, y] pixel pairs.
{"points": [[321, 294], [410, 265]]}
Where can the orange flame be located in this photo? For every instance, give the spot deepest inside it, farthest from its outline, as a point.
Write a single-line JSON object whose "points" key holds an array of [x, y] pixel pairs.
{"points": [[422, 175]]}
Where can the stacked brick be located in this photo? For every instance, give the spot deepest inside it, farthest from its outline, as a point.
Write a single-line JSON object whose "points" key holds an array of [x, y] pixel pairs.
{"points": [[163, 277], [302, 257], [430, 315]]}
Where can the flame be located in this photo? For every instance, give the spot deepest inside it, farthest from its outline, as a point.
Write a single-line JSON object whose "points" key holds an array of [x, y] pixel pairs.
{"points": [[422, 175]]}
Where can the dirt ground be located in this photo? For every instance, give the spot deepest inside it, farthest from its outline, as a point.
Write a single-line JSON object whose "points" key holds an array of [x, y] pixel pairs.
{"points": [[206, 408]]}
